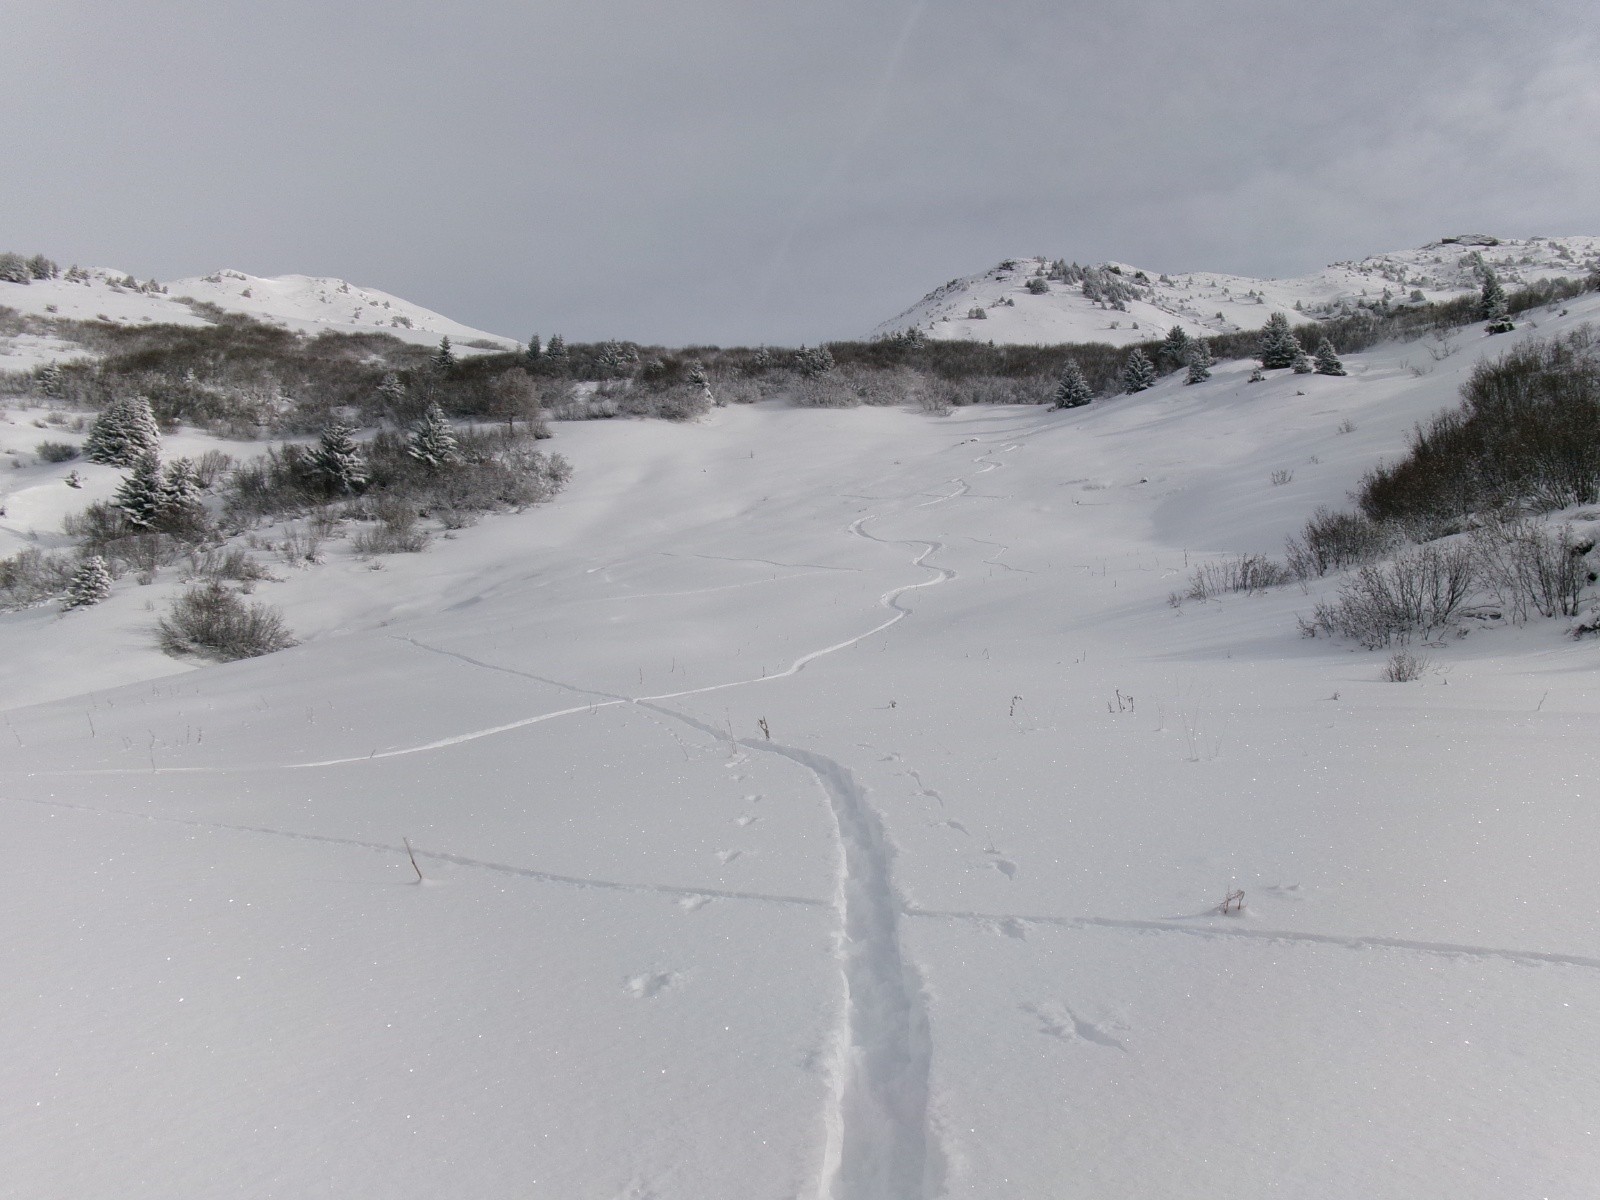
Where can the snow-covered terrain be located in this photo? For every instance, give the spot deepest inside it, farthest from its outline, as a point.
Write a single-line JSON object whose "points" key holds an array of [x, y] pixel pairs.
{"points": [[299, 302], [816, 803], [1205, 302]]}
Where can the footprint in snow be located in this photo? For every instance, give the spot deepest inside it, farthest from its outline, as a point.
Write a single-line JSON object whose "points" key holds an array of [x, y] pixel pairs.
{"points": [[727, 856], [742, 822], [1004, 865], [1065, 1025], [652, 984], [1010, 926], [693, 903]]}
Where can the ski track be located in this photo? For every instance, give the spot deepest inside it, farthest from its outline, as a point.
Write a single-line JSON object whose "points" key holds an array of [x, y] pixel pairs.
{"points": [[880, 1144], [460, 860], [1215, 932]]}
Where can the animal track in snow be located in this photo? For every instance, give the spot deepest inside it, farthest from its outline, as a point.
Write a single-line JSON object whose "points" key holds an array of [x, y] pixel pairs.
{"points": [[743, 822], [651, 984], [1065, 1025], [1004, 865], [727, 856]]}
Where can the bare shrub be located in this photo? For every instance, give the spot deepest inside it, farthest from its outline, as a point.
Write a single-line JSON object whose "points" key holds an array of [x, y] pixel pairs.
{"points": [[56, 452], [1333, 541], [1242, 573], [211, 621], [1404, 667], [1523, 564], [209, 468], [233, 562], [33, 576], [1412, 595], [301, 546], [396, 532]]}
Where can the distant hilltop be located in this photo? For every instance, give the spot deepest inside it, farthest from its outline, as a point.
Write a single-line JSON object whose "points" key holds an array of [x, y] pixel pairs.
{"points": [[1044, 300], [309, 304]]}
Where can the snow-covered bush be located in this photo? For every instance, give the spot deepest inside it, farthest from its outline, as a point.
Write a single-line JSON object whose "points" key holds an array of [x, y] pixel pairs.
{"points": [[1524, 565], [1415, 594], [211, 621], [1242, 573], [1333, 541], [56, 452]]}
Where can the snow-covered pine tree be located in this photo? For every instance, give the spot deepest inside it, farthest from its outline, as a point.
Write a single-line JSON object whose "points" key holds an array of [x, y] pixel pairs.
{"points": [[1327, 361], [124, 430], [818, 360], [91, 583], [1199, 361], [1175, 348], [443, 358], [1073, 391], [433, 444], [557, 349], [180, 489], [48, 379], [1278, 346], [535, 350], [1492, 304], [339, 461], [1138, 372], [1302, 363], [140, 498]]}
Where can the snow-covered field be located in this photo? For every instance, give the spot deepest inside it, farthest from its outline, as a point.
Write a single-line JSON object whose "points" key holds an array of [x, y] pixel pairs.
{"points": [[817, 804]]}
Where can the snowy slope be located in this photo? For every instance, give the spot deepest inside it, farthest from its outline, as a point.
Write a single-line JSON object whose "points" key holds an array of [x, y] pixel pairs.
{"points": [[298, 302], [1212, 302], [819, 804]]}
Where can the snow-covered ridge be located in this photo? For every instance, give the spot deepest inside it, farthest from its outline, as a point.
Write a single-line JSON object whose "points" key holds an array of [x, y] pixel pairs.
{"points": [[305, 303], [1207, 302]]}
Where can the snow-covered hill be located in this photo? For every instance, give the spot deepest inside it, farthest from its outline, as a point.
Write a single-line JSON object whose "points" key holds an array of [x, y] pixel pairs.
{"points": [[299, 302], [816, 803], [1212, 302]]}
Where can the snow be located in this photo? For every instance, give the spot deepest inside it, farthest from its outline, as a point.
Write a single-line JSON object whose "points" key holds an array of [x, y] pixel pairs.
{"points": [[299, 302], [1208, 302], [814, 803]]}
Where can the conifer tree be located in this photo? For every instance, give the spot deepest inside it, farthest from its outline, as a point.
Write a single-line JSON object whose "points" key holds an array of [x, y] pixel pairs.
{"points": [[91, 583], [1278, 346], [534, 350], [1301, 363], [1138, 373], [444, 358], [338, 460], [1175, 348], [1327, 361], [1492, 304], [140, 497], [1073, 391], [433, 444], [124, 430], [557, 349], [1200, 361], [180, 489]]}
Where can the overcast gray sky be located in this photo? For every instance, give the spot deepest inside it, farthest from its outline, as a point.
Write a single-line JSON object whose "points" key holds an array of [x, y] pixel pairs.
{"points": [[712, 171]]}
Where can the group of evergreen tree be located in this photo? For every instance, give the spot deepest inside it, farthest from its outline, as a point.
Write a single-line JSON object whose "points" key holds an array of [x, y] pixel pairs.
{"points": [[14, 268], [155, 498], [1279, 348]]}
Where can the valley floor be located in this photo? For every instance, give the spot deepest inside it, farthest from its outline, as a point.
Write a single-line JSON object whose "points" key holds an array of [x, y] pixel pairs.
{"points": [[822, 804]]}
